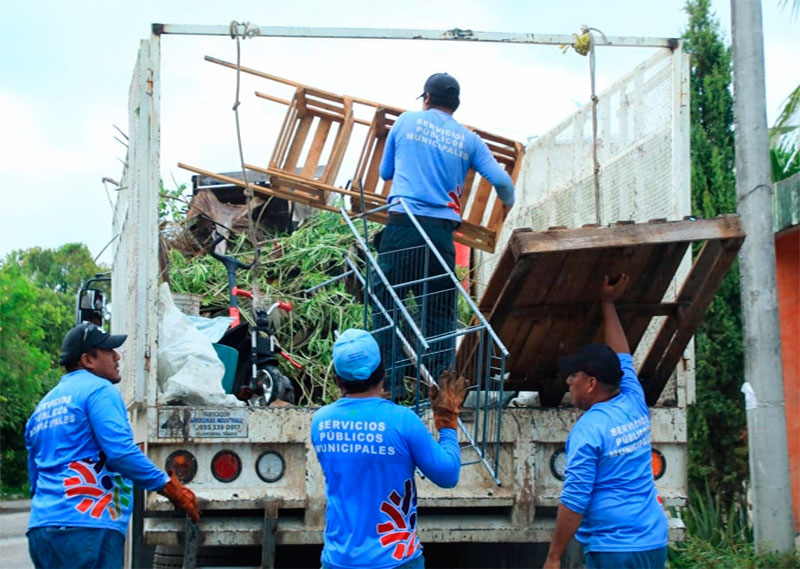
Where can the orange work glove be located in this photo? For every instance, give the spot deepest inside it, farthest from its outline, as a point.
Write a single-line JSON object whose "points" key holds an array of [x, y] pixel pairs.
{"points": [[181, 496], [446, 400]]}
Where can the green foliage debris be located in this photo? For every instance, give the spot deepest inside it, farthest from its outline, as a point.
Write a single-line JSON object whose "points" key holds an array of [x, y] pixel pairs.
{"points": [[288, 266]]}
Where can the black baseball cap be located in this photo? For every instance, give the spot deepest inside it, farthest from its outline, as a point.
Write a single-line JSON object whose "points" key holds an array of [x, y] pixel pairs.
{"points": [[442, 85], [86, 337], [597, 360]]}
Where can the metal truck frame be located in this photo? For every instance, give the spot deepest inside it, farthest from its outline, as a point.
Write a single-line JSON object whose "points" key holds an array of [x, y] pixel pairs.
{"points": [[251, 512]]}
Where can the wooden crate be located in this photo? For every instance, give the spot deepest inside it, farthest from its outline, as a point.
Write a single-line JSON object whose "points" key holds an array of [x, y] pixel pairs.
{"points": [[316, 121], [482, 211], [543, 298]]}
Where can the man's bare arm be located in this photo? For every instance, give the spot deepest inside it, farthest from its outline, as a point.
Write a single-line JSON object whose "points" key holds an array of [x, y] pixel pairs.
{"points": [[567, 523], [612, 328]]}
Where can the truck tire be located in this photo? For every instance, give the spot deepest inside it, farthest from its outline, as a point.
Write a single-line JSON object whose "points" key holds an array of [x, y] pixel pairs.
{"points": [[171, 556], [168, 557]]}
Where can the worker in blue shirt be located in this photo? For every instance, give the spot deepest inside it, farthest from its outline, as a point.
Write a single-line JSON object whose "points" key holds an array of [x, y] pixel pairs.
{"points": [[368, 448], [609, 501], [427, 156], [83, 463]]}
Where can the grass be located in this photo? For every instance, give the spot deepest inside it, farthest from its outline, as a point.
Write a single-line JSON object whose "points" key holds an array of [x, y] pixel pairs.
{"points": [[719, 536]]}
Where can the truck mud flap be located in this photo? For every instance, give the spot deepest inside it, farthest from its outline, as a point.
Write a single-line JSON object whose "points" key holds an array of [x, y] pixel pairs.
{"points": [[192, 539], [269, 542]]}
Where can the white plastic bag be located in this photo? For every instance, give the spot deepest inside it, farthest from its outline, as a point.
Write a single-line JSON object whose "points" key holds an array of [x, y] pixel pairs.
{"points": [[189, 370], [211, 328]]}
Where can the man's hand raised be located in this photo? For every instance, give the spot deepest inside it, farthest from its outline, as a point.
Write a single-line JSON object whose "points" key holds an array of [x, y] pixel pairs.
{"points": [[612, 292], [446, 400]]}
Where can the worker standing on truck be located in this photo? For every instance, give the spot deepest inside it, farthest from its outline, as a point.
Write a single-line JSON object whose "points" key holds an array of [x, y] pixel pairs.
{"points": [[83, 463], [427, 156], [609, 500], [369, 448]]}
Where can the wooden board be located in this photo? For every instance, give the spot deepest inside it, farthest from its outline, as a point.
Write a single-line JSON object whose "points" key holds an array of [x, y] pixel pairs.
{"points": [[543, 298]]}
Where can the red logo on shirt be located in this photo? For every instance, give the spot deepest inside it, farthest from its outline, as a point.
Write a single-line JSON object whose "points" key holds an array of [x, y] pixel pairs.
{"points": [[101, 490], [455, 199], [401, 530]]}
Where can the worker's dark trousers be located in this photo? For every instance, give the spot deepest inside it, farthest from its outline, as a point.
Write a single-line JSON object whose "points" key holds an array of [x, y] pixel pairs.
{"points": [[651, 559], [412, 269], [73, 547]]}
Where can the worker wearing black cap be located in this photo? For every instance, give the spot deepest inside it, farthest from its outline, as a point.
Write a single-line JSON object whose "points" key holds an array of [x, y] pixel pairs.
{"points": [[609, 501], [83, 463], [427, 156]]}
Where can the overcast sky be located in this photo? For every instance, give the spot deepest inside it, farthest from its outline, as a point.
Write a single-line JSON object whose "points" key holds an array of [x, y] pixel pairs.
{"points": [[66, 69]]}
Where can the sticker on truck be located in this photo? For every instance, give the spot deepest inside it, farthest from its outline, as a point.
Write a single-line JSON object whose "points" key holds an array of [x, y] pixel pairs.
{"points": [[202, 423]]}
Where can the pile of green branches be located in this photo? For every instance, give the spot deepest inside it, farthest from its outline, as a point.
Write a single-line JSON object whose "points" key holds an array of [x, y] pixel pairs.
{"points": [[288, 266]]}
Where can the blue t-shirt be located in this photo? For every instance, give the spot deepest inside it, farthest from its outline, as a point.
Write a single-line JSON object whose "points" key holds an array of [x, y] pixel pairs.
{"points": [[609, 477], [368, 449], [82, 460], [427, 156]]}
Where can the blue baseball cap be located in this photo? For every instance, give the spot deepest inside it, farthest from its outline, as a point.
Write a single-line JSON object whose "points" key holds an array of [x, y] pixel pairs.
{"points": [[355, 355]]}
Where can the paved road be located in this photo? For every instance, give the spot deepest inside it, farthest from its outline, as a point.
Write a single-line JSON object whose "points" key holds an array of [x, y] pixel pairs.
{"points": [[13, 543]]}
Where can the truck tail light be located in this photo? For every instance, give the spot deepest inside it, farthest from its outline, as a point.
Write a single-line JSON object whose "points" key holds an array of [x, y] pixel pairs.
{"points": [[183, 464], [270, 466], [659, 463], [226, 466]]}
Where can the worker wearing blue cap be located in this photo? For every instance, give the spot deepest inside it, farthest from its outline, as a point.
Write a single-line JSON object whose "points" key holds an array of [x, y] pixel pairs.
{"points": [[369, 448]]}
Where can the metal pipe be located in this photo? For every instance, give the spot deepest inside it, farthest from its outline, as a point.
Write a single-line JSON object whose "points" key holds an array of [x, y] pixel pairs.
{"points": [[764, 399], [454, 34]]}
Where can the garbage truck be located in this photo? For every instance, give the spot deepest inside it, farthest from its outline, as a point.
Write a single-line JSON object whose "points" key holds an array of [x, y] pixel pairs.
{"points": [[609, 186]]}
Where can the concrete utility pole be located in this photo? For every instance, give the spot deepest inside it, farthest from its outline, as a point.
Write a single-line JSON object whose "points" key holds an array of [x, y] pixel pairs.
{"points": [[766, 414]]}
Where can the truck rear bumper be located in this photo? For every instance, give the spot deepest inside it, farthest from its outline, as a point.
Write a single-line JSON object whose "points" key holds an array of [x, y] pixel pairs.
{"points": [[248, 531]]}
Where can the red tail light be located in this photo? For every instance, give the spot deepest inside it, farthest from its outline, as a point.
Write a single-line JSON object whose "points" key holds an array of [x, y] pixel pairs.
{"points": [[183, 464], [659, 463], [226, 466]]}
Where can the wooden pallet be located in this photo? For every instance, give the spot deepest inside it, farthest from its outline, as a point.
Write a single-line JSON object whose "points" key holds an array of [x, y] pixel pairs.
{"points": [[543, 298]]}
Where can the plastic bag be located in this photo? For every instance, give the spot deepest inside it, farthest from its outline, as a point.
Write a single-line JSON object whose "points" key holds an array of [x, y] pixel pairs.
{"points": [[211, 328], [189, 370]]}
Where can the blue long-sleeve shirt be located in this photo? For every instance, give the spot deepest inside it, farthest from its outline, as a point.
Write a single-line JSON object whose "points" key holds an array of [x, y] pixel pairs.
{"points": [[82, 461], [609, 477], [427, 156], [368, 449]]}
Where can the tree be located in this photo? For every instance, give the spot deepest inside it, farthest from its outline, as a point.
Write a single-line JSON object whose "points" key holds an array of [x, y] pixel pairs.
{"points": [[25, 369], [37, 304], [57, 275], [716, 422], [785, 134]]}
